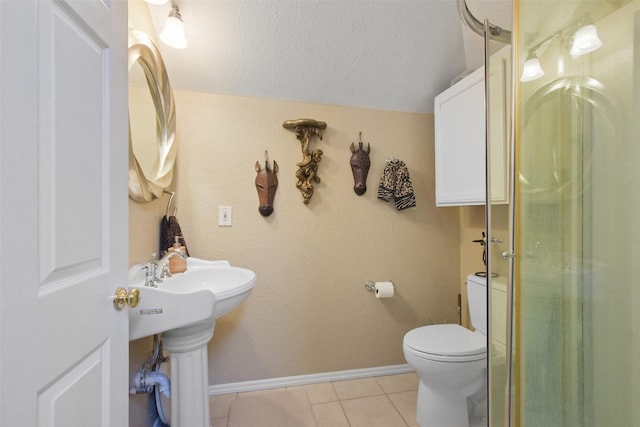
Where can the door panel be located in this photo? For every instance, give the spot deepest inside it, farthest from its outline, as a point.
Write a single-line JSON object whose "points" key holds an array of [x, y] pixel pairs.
{"points": [[63, 213], [58, 402], [73, 192]]}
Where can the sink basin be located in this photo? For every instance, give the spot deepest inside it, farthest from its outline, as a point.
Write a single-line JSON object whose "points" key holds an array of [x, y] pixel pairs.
{"points": [[203, 293]]}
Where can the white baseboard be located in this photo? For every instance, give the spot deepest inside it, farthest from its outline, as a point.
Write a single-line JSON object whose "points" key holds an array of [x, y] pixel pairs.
{"points": [[243, 386]]}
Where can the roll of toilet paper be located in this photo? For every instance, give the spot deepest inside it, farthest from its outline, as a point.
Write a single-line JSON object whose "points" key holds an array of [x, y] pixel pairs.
{"points": [[384, 289]]}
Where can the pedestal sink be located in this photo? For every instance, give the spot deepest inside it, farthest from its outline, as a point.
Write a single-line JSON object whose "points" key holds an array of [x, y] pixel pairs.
{"points": [[184, 308]]}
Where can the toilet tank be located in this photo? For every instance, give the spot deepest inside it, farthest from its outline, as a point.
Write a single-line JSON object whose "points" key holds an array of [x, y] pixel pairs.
{"points": [[477, 296]]}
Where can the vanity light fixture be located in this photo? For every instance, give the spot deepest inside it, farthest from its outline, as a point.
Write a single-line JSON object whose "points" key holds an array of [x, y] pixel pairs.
{"points": [[531, 70], [173, 32], [585, 40]]}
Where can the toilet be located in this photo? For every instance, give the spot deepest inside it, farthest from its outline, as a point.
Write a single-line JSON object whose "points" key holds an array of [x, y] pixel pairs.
{"points": [[451, 362]]}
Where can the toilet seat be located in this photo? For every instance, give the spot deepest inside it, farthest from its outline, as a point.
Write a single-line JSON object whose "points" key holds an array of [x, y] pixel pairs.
{"points": [[447, 343]]}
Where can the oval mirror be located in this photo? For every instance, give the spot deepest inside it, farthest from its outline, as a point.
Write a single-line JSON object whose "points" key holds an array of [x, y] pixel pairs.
{"points": [[152, 120], [554, 157]]}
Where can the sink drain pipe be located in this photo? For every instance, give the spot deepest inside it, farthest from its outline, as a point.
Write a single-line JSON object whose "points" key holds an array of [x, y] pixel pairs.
{"points": [[149, 379], [146, 381]]}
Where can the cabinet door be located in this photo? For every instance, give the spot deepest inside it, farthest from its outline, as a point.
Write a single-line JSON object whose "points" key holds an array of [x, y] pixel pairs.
{"points": [[459, 132], [460, 138], [499, 119]]}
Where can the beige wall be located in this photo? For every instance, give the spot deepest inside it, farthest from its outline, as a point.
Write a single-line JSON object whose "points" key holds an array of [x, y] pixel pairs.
{"points": [[471, 228], [309, 311]]}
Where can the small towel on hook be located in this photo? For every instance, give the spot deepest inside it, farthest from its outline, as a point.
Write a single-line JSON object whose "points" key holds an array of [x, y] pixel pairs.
{"points": [[395, 182], [169, 229]]}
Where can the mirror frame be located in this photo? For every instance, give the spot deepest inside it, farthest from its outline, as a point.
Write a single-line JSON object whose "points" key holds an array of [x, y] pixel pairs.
{"points": [[587, 90], [143, 51]]}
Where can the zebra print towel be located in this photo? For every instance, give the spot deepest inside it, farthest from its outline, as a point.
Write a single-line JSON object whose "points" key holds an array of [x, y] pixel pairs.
{"points": [[395, 182]]}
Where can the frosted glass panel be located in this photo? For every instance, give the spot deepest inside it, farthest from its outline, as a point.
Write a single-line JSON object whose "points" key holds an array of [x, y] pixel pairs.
{"points": [[577, 284]]}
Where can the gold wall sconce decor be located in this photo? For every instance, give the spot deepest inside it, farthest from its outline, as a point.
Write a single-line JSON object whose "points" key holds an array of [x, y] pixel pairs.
{"points": [[307, 172], [266, 185], [360, 164]]}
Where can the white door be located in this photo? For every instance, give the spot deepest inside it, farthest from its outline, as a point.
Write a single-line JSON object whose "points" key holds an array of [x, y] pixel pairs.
{"points": [[63, 213]]}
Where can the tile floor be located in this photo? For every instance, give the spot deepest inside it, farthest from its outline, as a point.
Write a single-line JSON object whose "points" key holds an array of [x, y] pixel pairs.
{"points": [[385, 401]]}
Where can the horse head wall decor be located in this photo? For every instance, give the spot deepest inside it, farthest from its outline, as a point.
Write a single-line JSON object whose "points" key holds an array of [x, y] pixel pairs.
{"points": [[266, 185], [360, 164]]}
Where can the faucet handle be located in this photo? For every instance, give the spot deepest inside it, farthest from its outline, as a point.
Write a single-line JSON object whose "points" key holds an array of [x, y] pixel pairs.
{"points": [[149, 276], [165, 273]]}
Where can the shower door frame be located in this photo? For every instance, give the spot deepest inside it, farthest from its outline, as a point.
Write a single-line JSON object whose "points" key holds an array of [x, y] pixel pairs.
{"points": [[496, 244]]}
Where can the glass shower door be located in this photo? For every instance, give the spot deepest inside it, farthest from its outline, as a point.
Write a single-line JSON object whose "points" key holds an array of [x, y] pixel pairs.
{"points": [[498, 214], [577, 336]]}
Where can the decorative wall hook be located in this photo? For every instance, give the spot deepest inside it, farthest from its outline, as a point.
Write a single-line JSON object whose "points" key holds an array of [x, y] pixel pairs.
{"points": [[360, 164], [266, 185], [308, 167]]}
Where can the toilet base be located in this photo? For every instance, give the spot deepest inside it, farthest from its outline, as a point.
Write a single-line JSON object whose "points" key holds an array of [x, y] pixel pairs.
{"points": [[436, 409]]}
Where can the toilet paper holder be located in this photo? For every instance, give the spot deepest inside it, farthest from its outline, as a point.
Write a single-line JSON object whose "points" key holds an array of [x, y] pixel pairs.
{"points": [[371, 286]]}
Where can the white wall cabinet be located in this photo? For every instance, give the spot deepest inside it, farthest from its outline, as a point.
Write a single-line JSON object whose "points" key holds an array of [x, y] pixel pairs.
{"points": [[460, 137]]}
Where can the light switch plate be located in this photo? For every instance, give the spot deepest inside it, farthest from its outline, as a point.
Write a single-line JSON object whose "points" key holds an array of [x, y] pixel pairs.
{"points": [[225, 214]]}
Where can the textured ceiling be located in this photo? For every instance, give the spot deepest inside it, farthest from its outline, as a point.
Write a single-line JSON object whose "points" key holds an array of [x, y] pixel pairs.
{"points": [[391, 55]]}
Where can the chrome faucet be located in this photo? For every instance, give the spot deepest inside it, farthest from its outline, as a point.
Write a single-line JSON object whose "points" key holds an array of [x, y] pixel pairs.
{"points": [[162, 266], [150, 272]]}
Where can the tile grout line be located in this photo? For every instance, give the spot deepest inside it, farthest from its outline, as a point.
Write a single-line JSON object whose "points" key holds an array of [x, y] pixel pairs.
{"points": [[338, 400], [397, 409], [383, 393], [346, 417]]}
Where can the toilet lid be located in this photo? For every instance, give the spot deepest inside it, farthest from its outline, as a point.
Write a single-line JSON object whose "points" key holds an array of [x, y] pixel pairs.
{"points": [[446, 340]]}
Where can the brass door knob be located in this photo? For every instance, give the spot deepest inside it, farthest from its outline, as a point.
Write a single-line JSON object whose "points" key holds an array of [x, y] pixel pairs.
{"points": [[122, 298]]}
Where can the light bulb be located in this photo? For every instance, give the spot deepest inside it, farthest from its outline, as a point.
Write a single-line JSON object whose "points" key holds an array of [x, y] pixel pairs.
{"points": [[156, 1], [585, 40], [531, 70], [173, 32]]}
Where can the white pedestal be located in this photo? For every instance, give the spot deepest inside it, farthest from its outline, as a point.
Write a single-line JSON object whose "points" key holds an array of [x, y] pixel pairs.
{"points": [[189, 374]]}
